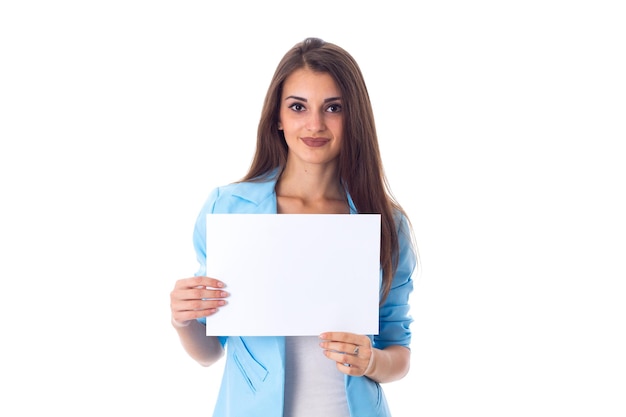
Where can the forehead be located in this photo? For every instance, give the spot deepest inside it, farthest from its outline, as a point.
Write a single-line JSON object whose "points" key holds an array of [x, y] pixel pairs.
{"points": [[306, 83]]}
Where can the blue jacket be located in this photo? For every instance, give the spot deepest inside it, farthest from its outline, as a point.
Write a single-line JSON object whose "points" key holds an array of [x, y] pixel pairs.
{"points": [[253, 380]]}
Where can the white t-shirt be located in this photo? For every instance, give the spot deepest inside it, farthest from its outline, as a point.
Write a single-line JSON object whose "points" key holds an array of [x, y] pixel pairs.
{"points": [[313, 385]]}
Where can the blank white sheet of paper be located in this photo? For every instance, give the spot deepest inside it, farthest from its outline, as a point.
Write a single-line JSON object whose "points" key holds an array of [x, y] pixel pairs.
{"points": [[295, 274]]}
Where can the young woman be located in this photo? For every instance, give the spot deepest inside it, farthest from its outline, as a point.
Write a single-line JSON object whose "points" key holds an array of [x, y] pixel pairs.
{"points": [[317, 152]]}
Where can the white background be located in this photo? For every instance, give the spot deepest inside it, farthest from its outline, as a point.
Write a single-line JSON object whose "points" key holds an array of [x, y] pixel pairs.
{"points": [[502, 130]]}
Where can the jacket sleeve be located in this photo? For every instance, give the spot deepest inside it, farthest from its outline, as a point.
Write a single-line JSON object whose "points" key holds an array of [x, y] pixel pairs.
{"points": [[199, 231], [199, 240], [394, 314]]}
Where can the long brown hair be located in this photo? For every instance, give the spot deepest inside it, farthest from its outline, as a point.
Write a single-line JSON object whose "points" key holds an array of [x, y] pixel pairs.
{"points": [[360, 165]]}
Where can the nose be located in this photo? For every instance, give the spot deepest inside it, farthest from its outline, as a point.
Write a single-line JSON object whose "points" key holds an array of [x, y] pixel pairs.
{"points": [[315, 122]]}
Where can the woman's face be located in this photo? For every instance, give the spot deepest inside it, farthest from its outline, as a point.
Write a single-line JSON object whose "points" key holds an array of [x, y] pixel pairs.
{"points": [[311, 117]]}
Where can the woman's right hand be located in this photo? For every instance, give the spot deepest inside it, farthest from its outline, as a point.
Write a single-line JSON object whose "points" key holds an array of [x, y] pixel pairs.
{"points": [[196, 297]]}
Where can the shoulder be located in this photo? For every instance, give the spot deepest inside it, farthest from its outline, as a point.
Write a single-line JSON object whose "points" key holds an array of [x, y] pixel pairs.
{"points": [[240, 197], [403, 225], [407, 248]]}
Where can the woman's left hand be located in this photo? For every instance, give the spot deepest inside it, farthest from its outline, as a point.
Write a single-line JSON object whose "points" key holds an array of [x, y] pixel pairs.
{"points": [[352, 352]]}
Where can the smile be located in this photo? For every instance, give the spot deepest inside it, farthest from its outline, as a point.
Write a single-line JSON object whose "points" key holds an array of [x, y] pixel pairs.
{"points": [[315, 142]]}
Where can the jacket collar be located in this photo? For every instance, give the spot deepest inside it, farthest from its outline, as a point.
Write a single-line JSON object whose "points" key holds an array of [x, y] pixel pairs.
{"points": [[259, 192]]}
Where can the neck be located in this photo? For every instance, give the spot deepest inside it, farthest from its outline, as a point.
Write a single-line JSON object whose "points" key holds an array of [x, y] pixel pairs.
{"points": [[312, 189]]}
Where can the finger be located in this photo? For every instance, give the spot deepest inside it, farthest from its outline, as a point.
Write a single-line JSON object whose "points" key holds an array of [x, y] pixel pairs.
{"points": [[183, 292], [349, 369], [200, 281], [200, 294], [340, 337], [188, 310], [186, 316], [196, 304], [363, 350], [347, 348], [348, 364], [349, 338]]}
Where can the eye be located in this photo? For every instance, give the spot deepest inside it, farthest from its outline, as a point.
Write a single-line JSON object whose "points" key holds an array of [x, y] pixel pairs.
{"points": [[334, 108], [298, 107]]}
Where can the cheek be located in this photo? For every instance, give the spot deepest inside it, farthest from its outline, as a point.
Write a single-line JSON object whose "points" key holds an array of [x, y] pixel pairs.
{"points": [[337, 127], [279, 123], [285, 122]]}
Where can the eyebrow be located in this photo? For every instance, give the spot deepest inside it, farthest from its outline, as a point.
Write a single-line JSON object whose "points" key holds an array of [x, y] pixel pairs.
{"points": [[305, 100]]}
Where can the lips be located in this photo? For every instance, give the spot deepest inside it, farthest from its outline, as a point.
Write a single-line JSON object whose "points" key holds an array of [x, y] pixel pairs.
{"points": [[315, 142]]}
